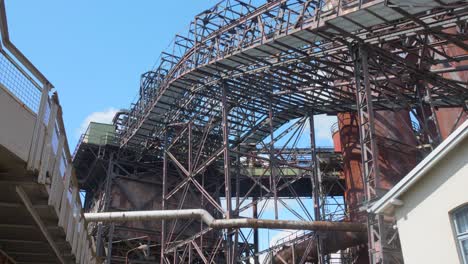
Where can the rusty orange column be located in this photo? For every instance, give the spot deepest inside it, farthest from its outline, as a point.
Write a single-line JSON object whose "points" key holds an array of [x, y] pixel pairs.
{"points": [[397, 154], [349, 141], [354, 194]]}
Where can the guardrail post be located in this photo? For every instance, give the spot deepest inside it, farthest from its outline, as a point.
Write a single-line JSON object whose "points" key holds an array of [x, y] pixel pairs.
{"points": [[47, 147], [33, 150], [54, 195], [64, 204]]}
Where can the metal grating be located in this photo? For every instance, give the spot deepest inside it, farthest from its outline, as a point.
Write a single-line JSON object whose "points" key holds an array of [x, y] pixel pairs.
{"points": [[18, 84]]}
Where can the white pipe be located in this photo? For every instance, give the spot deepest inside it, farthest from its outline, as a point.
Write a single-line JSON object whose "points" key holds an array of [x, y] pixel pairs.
{"points": [[223, 223]]}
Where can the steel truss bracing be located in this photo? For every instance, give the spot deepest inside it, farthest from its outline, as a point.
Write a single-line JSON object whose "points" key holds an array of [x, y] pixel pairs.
{"points": [[383, 239], [110, 181], [225, 113], [245, 180]]}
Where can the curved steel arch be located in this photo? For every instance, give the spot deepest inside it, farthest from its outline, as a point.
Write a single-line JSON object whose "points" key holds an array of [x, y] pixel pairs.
{"points": [[243, 72]]}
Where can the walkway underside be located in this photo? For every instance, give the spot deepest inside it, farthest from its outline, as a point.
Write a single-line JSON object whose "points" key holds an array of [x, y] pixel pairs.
{"points": [[20, 236], [286, 55]]}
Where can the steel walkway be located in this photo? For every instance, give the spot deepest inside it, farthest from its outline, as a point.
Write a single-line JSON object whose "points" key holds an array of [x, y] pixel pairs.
{"points": [[244, 50]]}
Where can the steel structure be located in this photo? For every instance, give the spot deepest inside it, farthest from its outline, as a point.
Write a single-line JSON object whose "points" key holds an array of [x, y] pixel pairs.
{"points": [[227, 106]]}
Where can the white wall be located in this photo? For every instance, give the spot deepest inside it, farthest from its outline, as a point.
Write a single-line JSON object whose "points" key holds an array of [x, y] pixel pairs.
{"points": [[424, 221], [16, 125]]}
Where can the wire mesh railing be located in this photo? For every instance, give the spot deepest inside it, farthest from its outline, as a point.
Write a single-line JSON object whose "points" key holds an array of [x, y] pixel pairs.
{"points": [[23, 87]]}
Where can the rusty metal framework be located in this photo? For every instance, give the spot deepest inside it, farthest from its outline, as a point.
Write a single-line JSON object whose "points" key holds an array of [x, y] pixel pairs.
{"points": [[226, 109]]}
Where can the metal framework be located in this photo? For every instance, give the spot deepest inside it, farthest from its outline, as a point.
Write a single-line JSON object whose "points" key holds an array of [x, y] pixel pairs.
{"points": [[226, 110]]}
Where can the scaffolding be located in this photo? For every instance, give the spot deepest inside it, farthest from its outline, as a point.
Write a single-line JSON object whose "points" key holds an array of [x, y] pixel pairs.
{"points": [[225, 110]]}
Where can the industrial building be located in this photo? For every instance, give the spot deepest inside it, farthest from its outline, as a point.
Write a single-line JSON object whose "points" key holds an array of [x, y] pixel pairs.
{"points": [[220, 146]]}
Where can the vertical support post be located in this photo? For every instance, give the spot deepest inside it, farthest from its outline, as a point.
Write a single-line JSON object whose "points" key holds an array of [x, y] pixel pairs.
{"points": [[47, 146], [433, 118], [190, 146], [54, 198], [227, 170], [366, 124], [176, 256], [163, 200], [316, 186], [427, 109], [272, 158], [255, 231], [380, 250], [33, 150], [293, 254], [189, 253], [66, 189], [109, 244], [237, 179], [367, 141], [107, 191]]}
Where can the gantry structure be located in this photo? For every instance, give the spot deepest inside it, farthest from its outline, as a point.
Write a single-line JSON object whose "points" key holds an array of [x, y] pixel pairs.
{"points": [[242, 87]]}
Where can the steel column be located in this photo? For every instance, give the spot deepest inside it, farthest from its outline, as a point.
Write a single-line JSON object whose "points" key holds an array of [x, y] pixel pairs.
{"points": [[316, 192], [227, 170]]}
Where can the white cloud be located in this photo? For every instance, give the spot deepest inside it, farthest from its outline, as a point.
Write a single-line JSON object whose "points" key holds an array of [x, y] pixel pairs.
{"points": [[323, 124], [279, 236], [272, 242], [100, 117]]}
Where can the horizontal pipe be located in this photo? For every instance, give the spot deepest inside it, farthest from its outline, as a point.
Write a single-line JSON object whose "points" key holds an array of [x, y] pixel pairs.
{"points": [[223, 223]]}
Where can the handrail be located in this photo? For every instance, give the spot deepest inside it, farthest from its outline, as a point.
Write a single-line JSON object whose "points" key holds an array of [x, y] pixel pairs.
{"points": [[15, 51]]}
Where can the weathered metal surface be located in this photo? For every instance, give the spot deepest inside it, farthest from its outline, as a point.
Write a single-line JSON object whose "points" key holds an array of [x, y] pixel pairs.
{"points": [[239, 87], [450, 118], [397, 154], [349, 136], [332, 242]]}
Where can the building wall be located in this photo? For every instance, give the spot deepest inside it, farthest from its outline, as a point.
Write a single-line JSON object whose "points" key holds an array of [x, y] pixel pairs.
{"points": [[424, 221]]}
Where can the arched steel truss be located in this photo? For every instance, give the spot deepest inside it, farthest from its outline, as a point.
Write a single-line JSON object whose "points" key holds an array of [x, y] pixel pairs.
{"points": [[216, 101]]}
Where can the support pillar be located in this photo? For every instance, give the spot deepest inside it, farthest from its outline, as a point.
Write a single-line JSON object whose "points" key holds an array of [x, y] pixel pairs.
{"points": [[272, 158], [163, 201], [316, 188], [107, 190], [381, 237], [255, 230], [227, 171]]}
